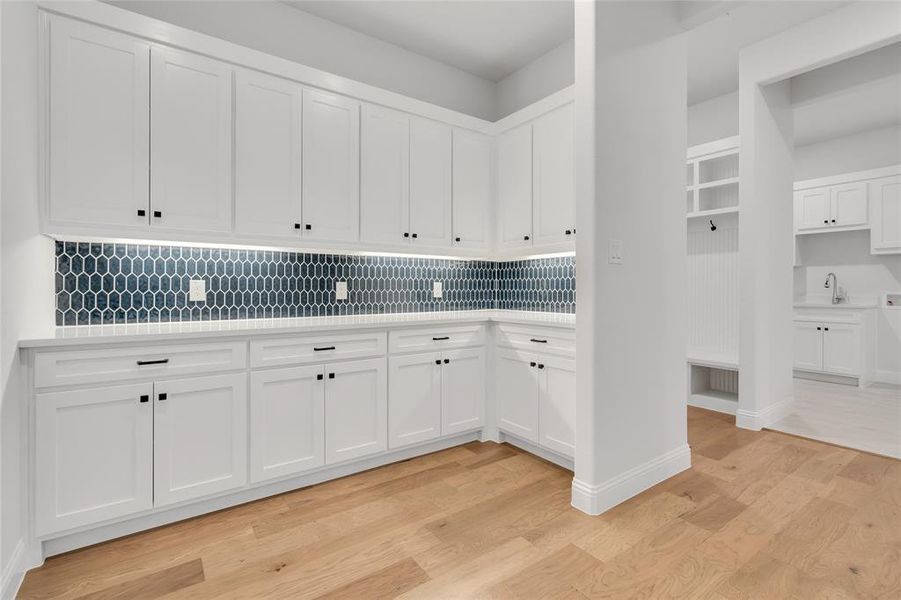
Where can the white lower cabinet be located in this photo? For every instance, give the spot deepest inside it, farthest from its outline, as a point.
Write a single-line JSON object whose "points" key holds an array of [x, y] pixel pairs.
{"points": [[356, 409], [287, 422], [93, 454], [516, 393], [435, 394], [200, 437], [828, 347], [536, 399]]}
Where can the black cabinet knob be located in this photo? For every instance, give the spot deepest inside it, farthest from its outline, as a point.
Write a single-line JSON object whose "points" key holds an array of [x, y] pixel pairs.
{"points": [[406, 235], [415, 235], [308, 227], [438, 361], [819, 328], [825, 329], [833, 220], [569, 232], [532, 364], [142, 212], [145, 398], [540, 366], [446, 360], [826, 221], [456, 239], [574, 230], [525, 237], [158, 214], [331, 375], [297, 226], [162, 397], [319, 377]]}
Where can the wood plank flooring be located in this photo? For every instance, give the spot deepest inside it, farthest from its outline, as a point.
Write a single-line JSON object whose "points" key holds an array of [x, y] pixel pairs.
{"points": [[759, 515]]}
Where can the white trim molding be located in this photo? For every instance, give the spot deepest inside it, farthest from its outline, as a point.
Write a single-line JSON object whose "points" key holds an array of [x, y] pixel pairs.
{"points": [[756, 420], [13, 572], [597, 499]]}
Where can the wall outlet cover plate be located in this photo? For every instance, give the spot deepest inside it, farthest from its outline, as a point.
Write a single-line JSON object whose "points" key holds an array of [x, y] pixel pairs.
{"points": [[437, 290], [197, 291], [340, 290]]}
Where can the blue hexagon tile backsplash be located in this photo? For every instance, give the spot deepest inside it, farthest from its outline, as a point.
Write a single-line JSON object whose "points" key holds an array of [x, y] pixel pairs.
{"points": [[98, 283]]}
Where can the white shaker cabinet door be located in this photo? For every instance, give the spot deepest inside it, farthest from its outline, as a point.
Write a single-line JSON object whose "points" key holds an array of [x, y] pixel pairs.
{"points": [[94, 455], [331, 166], [885, 207], [356, 409], [99, 126], [384, 176], [808, 345], [848, 204], [514, 187], [557, 406], [812, 208], [287, 422], [517, 392], [841, 348], [462, 390], [554, 202], [414, 399], [200, 437], [471, 189], [267, 155], [430, 183], [191, 142]]}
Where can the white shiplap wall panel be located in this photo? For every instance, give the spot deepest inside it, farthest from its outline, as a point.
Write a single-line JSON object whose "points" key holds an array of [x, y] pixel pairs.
{"points": [[712, 284]]}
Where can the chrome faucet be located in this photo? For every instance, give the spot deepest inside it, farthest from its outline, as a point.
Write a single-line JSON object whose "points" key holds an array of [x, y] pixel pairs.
{"points": [[838, 294]]}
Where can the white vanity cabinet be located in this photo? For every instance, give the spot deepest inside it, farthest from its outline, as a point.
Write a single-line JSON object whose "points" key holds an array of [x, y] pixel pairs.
{"points": [[834, 341], [535, 383]]}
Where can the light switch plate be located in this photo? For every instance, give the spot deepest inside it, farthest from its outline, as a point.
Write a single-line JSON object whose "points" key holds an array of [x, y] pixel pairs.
{"points": [[437, 290], [615, 253], [197, 291], [340, 290]]}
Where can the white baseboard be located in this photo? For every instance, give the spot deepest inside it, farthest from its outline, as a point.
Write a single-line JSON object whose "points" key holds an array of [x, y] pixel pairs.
{"points": [[757, 420], [889, 377], [596, 499], [13, 573], [715, 402], [548, 455]]}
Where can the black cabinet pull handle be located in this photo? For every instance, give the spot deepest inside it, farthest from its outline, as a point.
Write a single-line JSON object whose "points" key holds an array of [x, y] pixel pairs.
{"points": [[406, 234], [438, 339], [142, 212], [456, 239], [161, 361], [322, 348], [331, 375], [163, 397], [438, 361], [158, 214], [446, 360], [538, 341], [569, 232], [540, 366], [145, 398], [297, 226], [533, 363], [318, 376], [525, 237], [308, 227]]}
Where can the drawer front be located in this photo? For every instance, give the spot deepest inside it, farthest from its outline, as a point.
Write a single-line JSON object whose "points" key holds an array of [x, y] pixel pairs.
{"points": [[431, 339], [546, 340], [275, 352], [118, 364]]}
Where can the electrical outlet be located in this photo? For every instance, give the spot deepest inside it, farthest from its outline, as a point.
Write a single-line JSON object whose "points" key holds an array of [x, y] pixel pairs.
{"points": [[340, 290], [615, 253], [197, 291], [437, 290]]}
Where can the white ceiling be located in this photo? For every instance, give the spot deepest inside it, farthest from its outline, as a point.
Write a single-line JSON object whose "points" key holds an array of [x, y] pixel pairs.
{"points": [[858, 94], [487, 38]]}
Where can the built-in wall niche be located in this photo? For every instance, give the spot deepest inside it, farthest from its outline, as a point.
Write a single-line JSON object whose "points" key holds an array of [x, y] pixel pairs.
{"points": [[712, 178], [714, 388]]}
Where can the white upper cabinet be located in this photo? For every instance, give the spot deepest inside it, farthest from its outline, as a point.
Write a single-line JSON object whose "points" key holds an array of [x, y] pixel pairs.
{"points": [[384, 175], [93, 455], [553, 203], [471, 189], [199, 437], [430, 183], [331, 166], [812, 208], [843, 205], [267, 155], [514, 187], [191, 142], [99, 126], [885, 206]]}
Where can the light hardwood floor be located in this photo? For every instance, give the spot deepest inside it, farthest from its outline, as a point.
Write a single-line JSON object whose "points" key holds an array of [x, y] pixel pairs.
{"points": [[866, 418], [759, 515]]}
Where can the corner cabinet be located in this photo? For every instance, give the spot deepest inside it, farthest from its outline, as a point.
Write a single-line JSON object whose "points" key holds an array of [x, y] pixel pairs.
{"points": [[190, 142], [514, 187], [471, 189]]}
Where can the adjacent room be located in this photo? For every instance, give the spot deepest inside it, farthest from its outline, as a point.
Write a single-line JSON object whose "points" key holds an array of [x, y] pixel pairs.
{"points": [[450, 299]]}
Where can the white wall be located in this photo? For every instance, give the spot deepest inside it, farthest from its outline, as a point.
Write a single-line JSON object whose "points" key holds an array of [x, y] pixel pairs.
{"points": [[26, 279], [856, 152], [547, 74], [713, 119], [295, 35]]}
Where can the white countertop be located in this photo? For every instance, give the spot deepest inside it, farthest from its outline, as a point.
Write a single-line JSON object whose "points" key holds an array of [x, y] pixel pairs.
{"points": [[102, 334], [829, 305]]}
